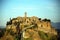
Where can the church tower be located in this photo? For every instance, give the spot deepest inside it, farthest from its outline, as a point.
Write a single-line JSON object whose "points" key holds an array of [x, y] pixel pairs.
{"points": [[25, 14]]}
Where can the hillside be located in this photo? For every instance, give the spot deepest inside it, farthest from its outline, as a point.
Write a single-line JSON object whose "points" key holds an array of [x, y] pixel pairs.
{"points": [[29, 28]]}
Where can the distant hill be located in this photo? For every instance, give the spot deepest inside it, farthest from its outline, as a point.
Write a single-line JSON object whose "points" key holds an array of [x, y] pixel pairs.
{"points": [[56, 25], [2, 26]]}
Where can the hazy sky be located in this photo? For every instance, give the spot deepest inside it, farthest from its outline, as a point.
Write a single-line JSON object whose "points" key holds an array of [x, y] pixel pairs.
{"points": [[40, 8]]}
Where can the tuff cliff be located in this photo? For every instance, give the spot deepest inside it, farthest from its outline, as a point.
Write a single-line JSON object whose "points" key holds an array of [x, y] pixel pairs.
{"points": [[30, 28]]}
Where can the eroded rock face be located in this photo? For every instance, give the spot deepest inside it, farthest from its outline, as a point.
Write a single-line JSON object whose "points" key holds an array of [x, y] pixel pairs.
{"points": [[23, 25]]}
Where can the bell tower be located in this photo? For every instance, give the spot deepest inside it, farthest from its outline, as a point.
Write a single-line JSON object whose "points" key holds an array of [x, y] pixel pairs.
{"points": [[25, 14]]}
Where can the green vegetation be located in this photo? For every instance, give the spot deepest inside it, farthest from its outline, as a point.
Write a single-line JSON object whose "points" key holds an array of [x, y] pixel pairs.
{"points": [[46, 36], [46, 20], [43, 36], [2, 31], [28, 38]]}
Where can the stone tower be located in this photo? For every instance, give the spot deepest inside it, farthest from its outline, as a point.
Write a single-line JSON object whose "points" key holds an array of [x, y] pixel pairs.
{"points": [[25, 14]]}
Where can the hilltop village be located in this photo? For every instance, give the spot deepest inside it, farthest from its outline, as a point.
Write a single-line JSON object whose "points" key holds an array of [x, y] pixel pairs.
{"points": [[28, 27]]}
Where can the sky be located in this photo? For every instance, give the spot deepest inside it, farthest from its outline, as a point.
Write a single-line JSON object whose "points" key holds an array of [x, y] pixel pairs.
{"points": [[41, 8]]}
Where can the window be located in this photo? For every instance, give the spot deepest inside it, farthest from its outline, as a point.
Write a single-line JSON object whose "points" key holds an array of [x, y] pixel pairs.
{"points": [[41, 25]]}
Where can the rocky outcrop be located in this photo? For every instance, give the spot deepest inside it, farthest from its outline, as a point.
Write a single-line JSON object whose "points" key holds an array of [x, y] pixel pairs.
{"points": [[29, 27]]}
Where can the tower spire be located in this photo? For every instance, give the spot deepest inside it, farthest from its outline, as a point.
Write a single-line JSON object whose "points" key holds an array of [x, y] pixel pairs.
{"points": [[25, 14]]}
